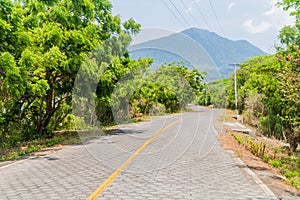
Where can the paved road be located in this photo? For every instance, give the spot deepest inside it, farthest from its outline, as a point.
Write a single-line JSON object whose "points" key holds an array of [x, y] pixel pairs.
{"points": [[179, 158]]}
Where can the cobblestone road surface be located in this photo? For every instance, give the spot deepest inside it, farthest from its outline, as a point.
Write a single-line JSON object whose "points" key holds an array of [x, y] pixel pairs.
{"points": [[183, 162]]}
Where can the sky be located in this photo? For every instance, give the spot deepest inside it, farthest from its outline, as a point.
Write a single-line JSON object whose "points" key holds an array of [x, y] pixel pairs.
{"points": [[257, 21]]}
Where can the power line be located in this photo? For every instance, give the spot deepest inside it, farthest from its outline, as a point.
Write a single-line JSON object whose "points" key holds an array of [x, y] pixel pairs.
{"points": [[173, 13], [212, 7], [186, 7], [201, 14], [180, 13]]}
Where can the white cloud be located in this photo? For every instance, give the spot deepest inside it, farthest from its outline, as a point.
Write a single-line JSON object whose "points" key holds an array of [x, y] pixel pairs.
{"points": [[230, 5], [273, 17], [189, 9], [277, 17], [256, 28]]}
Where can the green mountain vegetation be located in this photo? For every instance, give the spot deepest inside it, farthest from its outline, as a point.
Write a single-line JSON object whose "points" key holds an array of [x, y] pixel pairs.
{"points": [[206, 51], [50, 54], [177, 47], [269, 86], [222, 50]]}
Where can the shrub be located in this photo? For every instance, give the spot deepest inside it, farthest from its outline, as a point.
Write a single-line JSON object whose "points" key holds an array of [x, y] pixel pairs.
{"points": [[275, 163]]}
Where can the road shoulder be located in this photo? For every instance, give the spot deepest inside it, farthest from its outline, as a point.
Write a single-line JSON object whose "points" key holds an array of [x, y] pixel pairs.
{"points": [[262, 170]]}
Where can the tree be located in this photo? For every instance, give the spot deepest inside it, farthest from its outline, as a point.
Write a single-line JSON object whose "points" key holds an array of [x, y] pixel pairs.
{"points": [[270, 94], [127, 89], [272, 84], [114, 90], [289, 55], [171, 85], [42, 46]]}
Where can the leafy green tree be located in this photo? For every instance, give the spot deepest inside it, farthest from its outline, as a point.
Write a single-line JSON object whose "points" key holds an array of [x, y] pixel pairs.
{"points": [[275, 80], [64, 36], [172, 86], [42, 46], [186, 84], [289, 54], [113, 88], [214, 93], [267, 93]]}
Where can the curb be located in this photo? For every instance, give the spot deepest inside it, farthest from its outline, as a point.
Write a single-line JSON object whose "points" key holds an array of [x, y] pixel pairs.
{"points": [[259, 182]]}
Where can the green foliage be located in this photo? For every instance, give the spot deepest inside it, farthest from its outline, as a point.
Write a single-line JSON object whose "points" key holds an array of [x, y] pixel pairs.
{"points": [[276, 80], [42, 46], [257, 149], [26, 148], [289, 54], [237, 138], [214, 93], [275, 163], [132, 90], [266, 158], [186, 85], [131, 27], [291, 5], [152, 95], [287, 165], [113, 92], [269, 93]]}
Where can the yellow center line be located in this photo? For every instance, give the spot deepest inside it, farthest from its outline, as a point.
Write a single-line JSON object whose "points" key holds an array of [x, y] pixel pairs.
{"points": [[114, 175]]}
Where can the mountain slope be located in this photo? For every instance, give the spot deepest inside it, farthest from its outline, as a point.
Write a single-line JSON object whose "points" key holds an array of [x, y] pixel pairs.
{"points": [[223, 51], [198, 48]]}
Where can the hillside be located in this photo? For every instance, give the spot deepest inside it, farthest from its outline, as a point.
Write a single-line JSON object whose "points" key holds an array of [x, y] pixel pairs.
{"points": [[197, 48]]}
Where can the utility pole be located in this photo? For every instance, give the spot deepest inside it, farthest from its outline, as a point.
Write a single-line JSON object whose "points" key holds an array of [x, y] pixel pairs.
{"points": [[235, 89], [205, 93], [206, 96]]}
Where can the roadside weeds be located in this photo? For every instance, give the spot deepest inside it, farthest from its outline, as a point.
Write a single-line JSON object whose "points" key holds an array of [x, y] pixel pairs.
{"points": [[267, 158]]}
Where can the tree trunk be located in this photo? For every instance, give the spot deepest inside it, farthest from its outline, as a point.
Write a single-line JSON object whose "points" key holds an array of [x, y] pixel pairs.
{"points": [[293, 141], [45, 119]]}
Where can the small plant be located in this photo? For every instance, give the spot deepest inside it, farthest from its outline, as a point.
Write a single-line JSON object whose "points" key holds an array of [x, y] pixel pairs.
{"points": [[2, 158], [237, 138], [275, 163], [283, 168], [288, 174], [288, 165], [13, 155], [266, 158], [258, 149], [37, 144], [54, 141], [294, 181]]}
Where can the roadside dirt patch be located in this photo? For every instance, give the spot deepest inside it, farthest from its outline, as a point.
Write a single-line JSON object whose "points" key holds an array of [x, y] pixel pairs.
{"points": [[270, 176]]}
